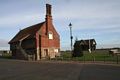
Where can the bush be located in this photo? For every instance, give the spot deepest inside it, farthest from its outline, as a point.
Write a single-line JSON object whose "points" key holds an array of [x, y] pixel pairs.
{"points": [[77, 53]]}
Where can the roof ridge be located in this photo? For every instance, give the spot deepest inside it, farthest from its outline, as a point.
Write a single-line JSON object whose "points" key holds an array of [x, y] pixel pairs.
{"points": [[32, 26], [27, 32]]}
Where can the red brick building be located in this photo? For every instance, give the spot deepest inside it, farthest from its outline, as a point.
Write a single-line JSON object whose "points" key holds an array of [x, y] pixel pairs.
{"points": [[37, 42]]}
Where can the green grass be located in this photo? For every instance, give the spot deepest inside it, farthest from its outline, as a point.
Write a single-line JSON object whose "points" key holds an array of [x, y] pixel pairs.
{"points": [[98, 55], [6, 55]]}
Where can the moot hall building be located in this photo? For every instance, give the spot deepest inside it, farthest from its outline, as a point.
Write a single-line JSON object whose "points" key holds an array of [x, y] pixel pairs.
{"points": [[39, 41]]}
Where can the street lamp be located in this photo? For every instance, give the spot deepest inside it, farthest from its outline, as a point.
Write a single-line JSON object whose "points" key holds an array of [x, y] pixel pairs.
{"points": [[71, 37]]}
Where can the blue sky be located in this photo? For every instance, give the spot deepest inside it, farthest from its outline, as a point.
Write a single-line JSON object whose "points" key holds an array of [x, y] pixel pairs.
{"points": [[98, 19]]}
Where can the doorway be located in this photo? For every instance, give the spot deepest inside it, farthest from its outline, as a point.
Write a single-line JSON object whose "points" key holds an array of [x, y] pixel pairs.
{"points": [[46, 53]]}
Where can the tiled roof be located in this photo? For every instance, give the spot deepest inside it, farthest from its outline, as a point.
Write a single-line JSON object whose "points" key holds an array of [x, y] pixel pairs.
{"points": [[28, 32]]}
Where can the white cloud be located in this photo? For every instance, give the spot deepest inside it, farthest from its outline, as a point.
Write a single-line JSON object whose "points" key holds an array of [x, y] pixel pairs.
{"points": [[100, 16], [93, 14], [83, 9], [108, 46], [3, 43], [18, 19]]}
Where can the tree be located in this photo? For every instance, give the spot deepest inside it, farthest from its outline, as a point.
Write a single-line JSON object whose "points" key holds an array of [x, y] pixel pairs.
{"points": [[77, 52]]}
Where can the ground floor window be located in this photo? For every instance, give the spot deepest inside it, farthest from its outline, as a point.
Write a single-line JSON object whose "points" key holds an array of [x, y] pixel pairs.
{"points": [[56, 50]]}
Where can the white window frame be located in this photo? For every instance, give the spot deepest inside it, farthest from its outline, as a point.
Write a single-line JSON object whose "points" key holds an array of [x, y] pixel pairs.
{"points": [[50, 35]]}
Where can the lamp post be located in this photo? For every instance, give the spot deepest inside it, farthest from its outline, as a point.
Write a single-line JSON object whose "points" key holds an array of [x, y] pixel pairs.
{"points": [[71, 37]]}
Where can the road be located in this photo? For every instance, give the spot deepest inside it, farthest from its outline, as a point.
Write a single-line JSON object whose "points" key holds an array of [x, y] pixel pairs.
{"points": [[40, 70]]}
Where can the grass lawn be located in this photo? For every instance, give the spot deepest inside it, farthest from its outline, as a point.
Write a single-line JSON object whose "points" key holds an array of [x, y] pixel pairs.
{"points": [[6, 55], [98, 55]]}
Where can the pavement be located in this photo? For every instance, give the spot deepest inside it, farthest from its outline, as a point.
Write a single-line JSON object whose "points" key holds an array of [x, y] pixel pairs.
{"points": [[42, 70]]}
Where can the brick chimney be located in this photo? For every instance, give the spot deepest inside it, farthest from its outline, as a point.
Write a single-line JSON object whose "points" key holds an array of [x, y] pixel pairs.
{"points": [[48, 9], [48, 17]]}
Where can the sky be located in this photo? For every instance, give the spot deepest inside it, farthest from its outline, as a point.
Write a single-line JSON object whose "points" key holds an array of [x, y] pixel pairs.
{"points": [[91, 19]]}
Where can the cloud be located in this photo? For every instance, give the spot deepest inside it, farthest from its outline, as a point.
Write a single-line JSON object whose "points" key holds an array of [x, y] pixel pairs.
{"points": [[14, 12], [6, 21], [98, 18], [3, 43], [108, 46], [83, 9], [89, 15]]}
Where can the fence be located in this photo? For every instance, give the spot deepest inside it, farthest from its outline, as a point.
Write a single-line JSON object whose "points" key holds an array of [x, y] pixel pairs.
{"points": [[96, 56]]}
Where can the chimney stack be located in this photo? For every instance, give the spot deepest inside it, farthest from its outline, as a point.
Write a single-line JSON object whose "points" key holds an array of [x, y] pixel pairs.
{"points": [[48, 10], [48, 17]]}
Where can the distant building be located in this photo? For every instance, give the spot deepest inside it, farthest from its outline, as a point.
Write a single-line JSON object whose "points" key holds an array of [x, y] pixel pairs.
{"points": [[85, 45], [37, 42]]}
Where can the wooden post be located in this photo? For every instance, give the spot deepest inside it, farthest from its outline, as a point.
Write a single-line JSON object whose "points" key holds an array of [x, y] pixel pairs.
{"points": [[117, 58]]}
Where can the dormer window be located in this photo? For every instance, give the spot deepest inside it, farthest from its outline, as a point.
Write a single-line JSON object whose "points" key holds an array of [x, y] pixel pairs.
{"points": [[50, 35]]}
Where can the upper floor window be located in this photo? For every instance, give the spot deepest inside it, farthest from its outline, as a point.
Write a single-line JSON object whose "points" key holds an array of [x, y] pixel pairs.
{"points": [[50, 35]]}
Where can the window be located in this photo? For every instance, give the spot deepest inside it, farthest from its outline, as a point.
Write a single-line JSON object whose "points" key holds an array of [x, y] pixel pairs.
{"points": [[56, 50], [50, 35]]}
